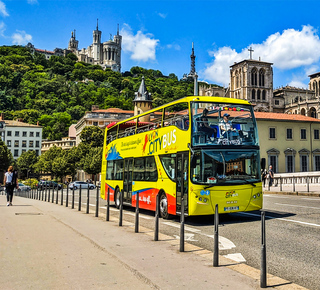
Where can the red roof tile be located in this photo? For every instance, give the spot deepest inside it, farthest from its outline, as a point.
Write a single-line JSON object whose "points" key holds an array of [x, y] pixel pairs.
{"points": [[284, 117]]}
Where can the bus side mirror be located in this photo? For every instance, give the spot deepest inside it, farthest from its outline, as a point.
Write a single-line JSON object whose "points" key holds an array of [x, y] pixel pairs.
{"points": [[263, 163]]}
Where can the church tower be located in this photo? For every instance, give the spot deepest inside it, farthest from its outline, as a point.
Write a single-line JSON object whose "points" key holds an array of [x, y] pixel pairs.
{"points": [[252, 80], [96, 45], [73, 43], [142, 101]]}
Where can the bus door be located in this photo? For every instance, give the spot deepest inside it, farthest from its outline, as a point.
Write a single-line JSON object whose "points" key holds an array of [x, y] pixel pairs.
{"points": [[127, 181], [182, 162]]}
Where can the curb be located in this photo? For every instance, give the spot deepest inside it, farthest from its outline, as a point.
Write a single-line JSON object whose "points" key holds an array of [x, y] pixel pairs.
{"points": [[298, 193]]}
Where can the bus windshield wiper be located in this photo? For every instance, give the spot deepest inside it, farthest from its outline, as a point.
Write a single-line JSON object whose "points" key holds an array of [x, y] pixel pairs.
{"points": [[209, 186]]}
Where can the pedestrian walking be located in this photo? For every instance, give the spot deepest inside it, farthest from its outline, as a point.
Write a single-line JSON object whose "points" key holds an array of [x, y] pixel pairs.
{"points": [[10, 182], [271, 175], [264, 176]]}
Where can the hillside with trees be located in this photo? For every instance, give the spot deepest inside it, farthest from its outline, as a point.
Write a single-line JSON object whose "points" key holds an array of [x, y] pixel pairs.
{"points": [[57, 92]]}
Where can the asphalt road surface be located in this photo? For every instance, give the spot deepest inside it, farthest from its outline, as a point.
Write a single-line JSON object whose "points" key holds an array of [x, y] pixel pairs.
{"points": [[292, 234]]}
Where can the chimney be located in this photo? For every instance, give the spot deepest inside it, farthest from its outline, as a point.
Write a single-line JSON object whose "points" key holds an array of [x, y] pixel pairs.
{"points": [[37, 123]]}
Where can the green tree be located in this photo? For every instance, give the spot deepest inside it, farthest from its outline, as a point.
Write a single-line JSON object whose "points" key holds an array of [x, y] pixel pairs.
{"points": [[26, 162], [92, 161], [6, 158], [92, 136]]}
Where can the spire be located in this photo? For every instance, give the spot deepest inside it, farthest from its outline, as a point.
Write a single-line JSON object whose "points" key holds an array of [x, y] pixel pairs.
{"points": [[193, 62], [142, 94], [97, 24], [118, 29]]}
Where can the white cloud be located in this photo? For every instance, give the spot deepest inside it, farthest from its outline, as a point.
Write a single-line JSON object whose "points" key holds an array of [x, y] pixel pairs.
{"points": [[291, 49], [2, 28], [174, 46], [32, 2], [21, 38], [3, 10], [141, 46], [162, 15], [298, 84]]}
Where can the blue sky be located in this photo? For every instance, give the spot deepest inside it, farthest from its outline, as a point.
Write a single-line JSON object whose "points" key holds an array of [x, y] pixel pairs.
{"points": [[159, 34]]}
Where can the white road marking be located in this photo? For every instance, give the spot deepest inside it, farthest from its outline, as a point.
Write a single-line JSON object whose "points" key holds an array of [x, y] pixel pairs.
{"points": [[224, 243], [282, 219], [187, 237], [273, 195], [236, 257], [297, 205], [186, 227]]}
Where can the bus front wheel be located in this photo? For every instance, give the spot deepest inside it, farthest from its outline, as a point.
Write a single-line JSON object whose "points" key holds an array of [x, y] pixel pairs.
{"points": [[117, 198], [164, 206]]}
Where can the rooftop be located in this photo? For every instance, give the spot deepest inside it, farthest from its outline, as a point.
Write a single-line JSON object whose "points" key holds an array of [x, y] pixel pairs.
{"points": [[284, 117], [14, 123]]}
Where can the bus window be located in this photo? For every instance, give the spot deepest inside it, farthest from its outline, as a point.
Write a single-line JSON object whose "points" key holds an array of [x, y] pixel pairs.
{"points": [[177, 115], [151, 173], [138, 169], [109, 175], [118, 169], [168, 163]]}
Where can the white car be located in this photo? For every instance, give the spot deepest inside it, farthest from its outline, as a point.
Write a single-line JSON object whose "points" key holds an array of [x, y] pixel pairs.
{"points": [[23, 187], [84, 185]]}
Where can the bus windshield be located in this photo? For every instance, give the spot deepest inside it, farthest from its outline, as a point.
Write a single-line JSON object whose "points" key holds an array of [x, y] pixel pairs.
{"points": [[223, 124], [225, 167]]}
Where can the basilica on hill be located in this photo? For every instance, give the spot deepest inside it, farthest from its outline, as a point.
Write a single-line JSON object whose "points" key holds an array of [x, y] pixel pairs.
{"points": [[106, 54]]}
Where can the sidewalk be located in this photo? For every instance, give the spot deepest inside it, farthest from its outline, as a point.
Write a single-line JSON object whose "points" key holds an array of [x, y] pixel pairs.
{"points": [[49, 246]]}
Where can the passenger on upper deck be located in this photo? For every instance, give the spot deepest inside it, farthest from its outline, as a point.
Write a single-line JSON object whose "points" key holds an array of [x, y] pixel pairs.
{"points": [[205, 127], [226, 126]]}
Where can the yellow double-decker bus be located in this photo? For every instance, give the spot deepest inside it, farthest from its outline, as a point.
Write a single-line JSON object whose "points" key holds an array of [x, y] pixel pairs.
{"points": [[204, 149]]}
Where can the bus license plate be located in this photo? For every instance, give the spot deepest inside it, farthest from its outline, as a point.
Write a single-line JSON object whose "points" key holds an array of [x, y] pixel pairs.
{"points": [[231, 208]]}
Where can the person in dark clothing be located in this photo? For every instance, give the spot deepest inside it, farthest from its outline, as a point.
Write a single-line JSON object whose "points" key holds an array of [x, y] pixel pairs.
{"points": [[10, 182], [271, 175], [205, 127]]}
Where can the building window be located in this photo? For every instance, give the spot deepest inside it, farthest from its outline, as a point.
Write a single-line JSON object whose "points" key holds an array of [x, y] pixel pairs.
{"points": [[23, 150], [303, 134], [273, 161], [37, 144], [30, 143], [289, 163], [272, 133], [8, 133], [16, 143], [277, 102], [317, 162], [95, 123], [31, 134], [37, 134], [304, 163], [16, 153], [263, 95], [24, 143], [289, 133], [37, 152], [24, 134], [253, 94], [316, 134], [16, 133], [258, 94], [261, 78], [9, 143], [254, 77]]}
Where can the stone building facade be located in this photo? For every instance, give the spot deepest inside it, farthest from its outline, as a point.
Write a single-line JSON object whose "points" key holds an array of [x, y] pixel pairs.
{"points": [[252, 80]]}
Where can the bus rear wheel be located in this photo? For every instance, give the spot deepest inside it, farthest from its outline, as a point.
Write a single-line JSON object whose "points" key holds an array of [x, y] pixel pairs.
{"points": [[164, 206], [117, 198]]}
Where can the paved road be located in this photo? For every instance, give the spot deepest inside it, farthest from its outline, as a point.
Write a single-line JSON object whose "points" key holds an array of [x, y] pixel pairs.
{"points": [[293, 227]]}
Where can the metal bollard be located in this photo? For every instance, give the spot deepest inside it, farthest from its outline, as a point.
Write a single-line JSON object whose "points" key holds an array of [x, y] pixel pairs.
{"points": [[79, 205], [57, 193], [108, 206], [263, 272], [293, 184], [182, 226], [67, 197], [48, 193], [121, 209], [61, 194], [216, 238], [88, 198], [72, 201], [156, 226], [52, 200], [136, 228], [308, 184], [280, 183], [45, 194], [97, 203], [42, 195]]}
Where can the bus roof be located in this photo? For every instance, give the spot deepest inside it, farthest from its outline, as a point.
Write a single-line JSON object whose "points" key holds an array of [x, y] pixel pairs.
{"points": [[208, 99]]}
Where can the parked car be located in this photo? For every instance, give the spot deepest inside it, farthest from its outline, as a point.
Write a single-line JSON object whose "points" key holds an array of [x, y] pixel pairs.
{"points": [[76, 185], [23, 187], [48, 183]]}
